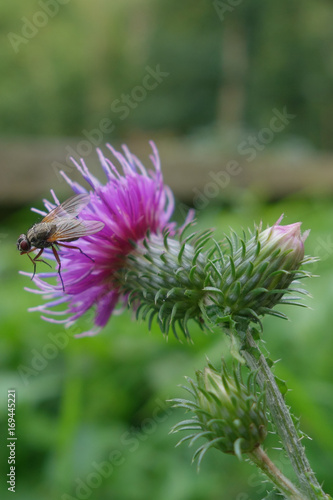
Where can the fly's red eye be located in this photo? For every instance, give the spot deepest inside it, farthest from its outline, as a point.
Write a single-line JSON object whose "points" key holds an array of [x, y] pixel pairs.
{"points": [[24, 245]]}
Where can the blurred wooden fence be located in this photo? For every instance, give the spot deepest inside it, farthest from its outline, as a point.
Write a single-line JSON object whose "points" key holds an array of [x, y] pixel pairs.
{"points": [[29, 168]]}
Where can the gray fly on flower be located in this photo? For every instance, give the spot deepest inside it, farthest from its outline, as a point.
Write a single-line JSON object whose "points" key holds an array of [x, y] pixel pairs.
{"points": [[58, 226], [128, 206]]}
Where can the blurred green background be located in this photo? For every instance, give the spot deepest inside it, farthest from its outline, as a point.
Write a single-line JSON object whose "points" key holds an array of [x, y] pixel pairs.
{"points": [[74, 76]]}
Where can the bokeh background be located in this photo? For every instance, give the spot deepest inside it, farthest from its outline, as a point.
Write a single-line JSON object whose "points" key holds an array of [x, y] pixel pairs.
{"points": [[238, 97]]}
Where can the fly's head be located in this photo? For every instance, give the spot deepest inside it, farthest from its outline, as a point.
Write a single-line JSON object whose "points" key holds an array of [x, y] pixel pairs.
{"points": [[23, 244]]}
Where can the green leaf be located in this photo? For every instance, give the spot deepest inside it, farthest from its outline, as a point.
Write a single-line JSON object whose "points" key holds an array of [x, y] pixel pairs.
{"points": [[255, 352], [235, 349], [270, 362], [255, 332], [282, 385]]}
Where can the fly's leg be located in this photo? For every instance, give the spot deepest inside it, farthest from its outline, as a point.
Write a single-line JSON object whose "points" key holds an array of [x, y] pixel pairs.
{"points": [[77, 248], [55, 253], [34, 264], [37, 259]]}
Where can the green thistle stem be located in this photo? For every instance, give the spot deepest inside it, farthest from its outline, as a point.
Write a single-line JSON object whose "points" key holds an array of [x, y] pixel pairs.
{"points": [[259, 457], [283, 421]]}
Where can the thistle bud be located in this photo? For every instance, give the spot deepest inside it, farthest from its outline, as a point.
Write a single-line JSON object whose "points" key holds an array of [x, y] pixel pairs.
{"points": [[177, 279], [257, 274], [226, 412], [286, 238]]}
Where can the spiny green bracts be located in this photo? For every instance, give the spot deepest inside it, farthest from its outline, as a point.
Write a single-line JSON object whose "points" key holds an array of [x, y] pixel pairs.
{"points": [[227, 413], [176, 280], [256, 274], [166, 278]]}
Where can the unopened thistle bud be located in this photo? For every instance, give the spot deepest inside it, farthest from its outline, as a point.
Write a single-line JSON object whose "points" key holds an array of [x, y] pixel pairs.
{"points": [[227, 413], [257, 274]]}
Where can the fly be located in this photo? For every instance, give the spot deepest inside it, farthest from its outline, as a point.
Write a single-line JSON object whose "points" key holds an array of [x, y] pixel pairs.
{"points": [[59, 225]]}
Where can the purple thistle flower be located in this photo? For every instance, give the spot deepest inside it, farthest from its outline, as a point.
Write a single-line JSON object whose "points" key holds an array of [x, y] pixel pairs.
{"points": [[130, 205]]}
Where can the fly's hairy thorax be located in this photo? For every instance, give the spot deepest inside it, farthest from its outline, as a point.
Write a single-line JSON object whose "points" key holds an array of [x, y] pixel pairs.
{"points": [[39, 233]]}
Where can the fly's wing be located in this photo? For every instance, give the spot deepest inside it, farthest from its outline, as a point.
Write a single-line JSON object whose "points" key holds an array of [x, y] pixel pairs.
{"points": [[69, 208], [70, 229]]}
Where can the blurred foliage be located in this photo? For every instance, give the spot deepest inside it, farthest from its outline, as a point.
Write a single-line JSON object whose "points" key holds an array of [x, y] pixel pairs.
{"points": [[103, 399], [227, 67]]}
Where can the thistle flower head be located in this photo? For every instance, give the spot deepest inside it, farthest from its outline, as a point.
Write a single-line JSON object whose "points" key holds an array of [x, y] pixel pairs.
{"points": [[227, 413], [130, 204]]}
